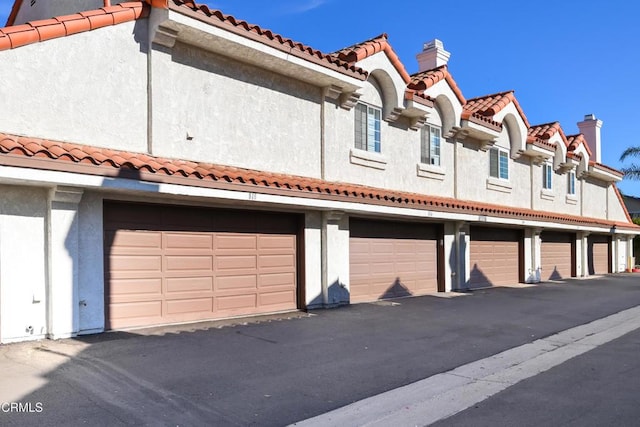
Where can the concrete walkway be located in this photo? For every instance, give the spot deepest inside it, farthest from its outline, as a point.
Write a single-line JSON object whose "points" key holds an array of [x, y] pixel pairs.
{"points": [[443, 395]]}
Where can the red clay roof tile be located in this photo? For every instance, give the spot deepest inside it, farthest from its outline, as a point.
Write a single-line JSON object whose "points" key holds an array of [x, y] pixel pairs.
{"points": [[574, 141], [102, 160], [36, 31], [490, 105], [362, 50], [426, 79]]}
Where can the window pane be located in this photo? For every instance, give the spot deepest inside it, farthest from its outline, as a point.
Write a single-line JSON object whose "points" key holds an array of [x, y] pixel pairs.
{"points": [[493, 162], [361, 126], [504, 165], [424, 144], [373, 129], [435, 146]]}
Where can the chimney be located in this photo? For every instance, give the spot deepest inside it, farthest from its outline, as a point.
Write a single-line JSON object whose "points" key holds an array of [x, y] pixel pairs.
{"points": [[590, 128], [432, 56]]}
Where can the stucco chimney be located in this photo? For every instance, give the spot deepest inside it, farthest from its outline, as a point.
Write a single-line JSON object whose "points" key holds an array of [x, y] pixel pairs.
{"points": [[432, 56], [590, 128]]}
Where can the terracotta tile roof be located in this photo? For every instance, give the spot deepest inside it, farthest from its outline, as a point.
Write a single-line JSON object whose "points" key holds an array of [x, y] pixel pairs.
{"points": [[37, 31], [574, 141], [490, 105], [265, 36], [360, 51], [540, 134], [426, 79], [53, 155]]}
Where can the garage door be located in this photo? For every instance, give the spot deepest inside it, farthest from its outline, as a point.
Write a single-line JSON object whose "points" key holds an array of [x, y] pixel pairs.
{"points": [[167, 264], [598, 254], [494, 256], [557, 255], [391, 260]]}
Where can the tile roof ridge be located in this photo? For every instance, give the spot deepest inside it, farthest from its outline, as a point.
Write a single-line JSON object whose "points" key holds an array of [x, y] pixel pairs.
{"points": [[423, 80], [492, 95], [419, 74], [96, 159], [370, 47], [243, 28], [61, 26]]}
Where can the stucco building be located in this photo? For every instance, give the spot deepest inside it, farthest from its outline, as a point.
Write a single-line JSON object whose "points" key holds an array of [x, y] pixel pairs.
{"points": [[161, 162]]}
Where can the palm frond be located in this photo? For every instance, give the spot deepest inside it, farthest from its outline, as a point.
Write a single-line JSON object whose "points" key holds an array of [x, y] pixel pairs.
{"points": [[630, 152], [632, 172]]}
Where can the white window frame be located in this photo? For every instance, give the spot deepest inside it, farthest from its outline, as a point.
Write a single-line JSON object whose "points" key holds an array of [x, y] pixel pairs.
{"points": [[547, 176], [367, 135], [500, 155], [431, 145]]}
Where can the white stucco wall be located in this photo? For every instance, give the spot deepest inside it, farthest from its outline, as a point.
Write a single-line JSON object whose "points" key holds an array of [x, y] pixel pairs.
{"points": [[313, 259], [89, 88], [23, 212], [396, 166], [90, 264], [616, 209], [210, 108], [474, 182], [556, 199], [594, 199]]}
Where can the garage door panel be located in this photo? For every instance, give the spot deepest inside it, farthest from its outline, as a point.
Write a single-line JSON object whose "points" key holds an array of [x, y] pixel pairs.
{"points": [[127, 239], [194, 305], [237, 302], [135, 309], [212, 266], [236, 282], [188, 284], [276, 279], [233, 242], [189, 263], [276, 242], [131, 263], [277, 298], [275, 262], [188, 241], [236, 262]]}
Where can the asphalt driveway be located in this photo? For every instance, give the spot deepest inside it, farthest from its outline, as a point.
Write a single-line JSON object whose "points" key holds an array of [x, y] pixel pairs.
{"points": [[280, 371]]}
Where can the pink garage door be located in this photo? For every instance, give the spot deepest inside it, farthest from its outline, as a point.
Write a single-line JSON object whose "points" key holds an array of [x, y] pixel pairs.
{"points": [[169, 264], [391, 260], [598, 250], [495, 257], [557, 255]]}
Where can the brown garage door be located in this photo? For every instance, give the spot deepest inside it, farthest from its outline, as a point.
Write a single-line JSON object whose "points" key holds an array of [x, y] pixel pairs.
{"points": [[598, 248], [494, 256], [391, 260], [168, 264], [557, 255]]}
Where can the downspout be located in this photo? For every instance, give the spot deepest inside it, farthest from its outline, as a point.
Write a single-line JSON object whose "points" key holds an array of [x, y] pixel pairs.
{"points": [[455, 168], [324, 268], [531, 166], [323, 97]]}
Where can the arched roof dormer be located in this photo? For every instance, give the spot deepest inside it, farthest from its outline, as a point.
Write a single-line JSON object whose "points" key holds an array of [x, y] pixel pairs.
{"points": [[550, 136]]}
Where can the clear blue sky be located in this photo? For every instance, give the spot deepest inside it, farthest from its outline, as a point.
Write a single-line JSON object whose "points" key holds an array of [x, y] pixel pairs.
{"points": [[563, 58]]}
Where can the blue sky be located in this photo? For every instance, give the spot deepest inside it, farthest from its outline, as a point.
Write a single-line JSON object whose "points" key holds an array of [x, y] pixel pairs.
{"points": [[563, 58]]}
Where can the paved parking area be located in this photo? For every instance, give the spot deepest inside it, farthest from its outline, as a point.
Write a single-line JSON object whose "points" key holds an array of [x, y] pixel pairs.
{"points": [[281, 371]]}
